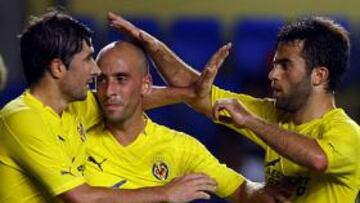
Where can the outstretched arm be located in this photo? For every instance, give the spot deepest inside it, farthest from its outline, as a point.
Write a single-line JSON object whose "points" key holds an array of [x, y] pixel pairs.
{"points": [[162, 96], [181, 189], [175, 71], [298, 148]]}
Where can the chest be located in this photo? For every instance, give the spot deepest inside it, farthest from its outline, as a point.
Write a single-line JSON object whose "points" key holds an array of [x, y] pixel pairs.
{"points": [[68, 134], [139, 166]]}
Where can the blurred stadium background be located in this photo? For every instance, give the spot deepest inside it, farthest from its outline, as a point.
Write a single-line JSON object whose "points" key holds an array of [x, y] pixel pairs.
{"points": [[195, 29]]}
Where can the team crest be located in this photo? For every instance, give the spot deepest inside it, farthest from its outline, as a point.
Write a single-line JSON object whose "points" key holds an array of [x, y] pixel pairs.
{"points": [[160, 170], [81, 131]]}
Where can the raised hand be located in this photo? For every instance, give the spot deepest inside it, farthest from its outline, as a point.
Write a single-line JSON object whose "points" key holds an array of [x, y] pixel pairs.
{"points": [[189, 187], [129, 29], [207, 77]]}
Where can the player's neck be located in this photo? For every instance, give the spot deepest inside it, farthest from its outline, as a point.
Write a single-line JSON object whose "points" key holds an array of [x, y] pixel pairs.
{"points": [[128, 130], [315, 107], [49, 94]]}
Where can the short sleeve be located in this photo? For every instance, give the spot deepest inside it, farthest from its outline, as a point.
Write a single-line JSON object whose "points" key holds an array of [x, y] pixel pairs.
{"points": [[199, 159], [341, 142], [30, 146]]}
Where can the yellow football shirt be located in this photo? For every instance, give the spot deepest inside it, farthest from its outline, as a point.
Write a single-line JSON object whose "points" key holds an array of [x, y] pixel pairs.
{"points": [[336, 133], [158, 155], [42, 154]]}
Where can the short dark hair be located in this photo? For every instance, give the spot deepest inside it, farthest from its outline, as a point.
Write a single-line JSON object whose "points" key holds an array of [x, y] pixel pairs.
{"points": [[326, 43], [53, 35]]}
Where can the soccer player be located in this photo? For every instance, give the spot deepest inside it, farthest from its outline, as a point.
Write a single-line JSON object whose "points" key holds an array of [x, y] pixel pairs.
{"points": [[128, 150], [309, 142], [43, 131]]}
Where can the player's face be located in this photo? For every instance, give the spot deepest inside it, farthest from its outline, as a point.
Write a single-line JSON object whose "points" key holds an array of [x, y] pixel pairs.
{"points": [[290, 80], [80, 73], [120, 87]]}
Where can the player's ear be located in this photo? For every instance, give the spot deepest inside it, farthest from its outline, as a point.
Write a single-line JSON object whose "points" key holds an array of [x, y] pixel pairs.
{"points": [[319, 76], [57, 68], [146, 85]]}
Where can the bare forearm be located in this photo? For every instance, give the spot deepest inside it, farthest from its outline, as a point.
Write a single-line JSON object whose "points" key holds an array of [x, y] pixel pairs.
{"points": [[162, 96], [175, 71], [89, 194], [296, 147]]}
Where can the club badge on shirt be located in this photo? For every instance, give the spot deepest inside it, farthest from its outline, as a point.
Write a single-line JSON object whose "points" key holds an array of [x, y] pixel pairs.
{"points": [[160, 170]]}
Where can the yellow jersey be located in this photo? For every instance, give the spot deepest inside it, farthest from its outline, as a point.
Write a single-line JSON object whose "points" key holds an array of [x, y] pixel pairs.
{"points": [[337, 135], [42, 154], [158, 155]]}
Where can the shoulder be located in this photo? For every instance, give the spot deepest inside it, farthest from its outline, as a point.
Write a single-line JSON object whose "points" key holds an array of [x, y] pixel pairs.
{"points": [[18, 112], [337, 125], [166, 134], [23, 120], [338, 119]]}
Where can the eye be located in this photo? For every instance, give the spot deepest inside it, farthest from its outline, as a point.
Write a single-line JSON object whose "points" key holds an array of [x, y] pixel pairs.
{"points": [[285, 65], [100, 79], [121, 78]]}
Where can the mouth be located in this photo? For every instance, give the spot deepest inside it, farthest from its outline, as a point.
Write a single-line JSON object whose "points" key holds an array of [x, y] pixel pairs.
{"points": [[277, 91], [111, 108], [112, 104]]}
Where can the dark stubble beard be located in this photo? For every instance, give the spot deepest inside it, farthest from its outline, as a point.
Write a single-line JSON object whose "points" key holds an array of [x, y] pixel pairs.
{"points": [[296, 98]]}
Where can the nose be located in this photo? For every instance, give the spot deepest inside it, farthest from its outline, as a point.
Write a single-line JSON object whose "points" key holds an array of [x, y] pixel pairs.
{"points": [[95, 71], [110, 88], [274, 73]]}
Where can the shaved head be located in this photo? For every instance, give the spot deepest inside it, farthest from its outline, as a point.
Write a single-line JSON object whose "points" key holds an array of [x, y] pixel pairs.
{"points": [[123, 81], [125, 50]]}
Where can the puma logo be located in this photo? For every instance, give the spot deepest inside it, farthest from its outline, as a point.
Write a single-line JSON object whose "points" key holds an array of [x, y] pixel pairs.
{"points": [[98, 164], [67, 172]]}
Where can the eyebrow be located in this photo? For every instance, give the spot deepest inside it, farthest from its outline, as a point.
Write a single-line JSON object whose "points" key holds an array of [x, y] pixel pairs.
{"points": [[281, 60], [120, 74], [117, 74], [90, 55]]}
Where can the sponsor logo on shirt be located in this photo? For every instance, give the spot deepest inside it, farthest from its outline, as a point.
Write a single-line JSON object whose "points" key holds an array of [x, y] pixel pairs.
{"points": [[81, 131], [275, 176], [160, 170]]}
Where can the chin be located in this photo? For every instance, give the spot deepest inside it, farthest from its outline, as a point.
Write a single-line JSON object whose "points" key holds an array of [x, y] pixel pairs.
{"points": [[82, 97], [285, 107], [113, 118], [78, 98]]}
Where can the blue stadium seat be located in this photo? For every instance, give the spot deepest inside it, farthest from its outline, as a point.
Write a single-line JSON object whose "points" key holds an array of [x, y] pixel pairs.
{"points": [[254, 42], [195, 39], [11, 91]]}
